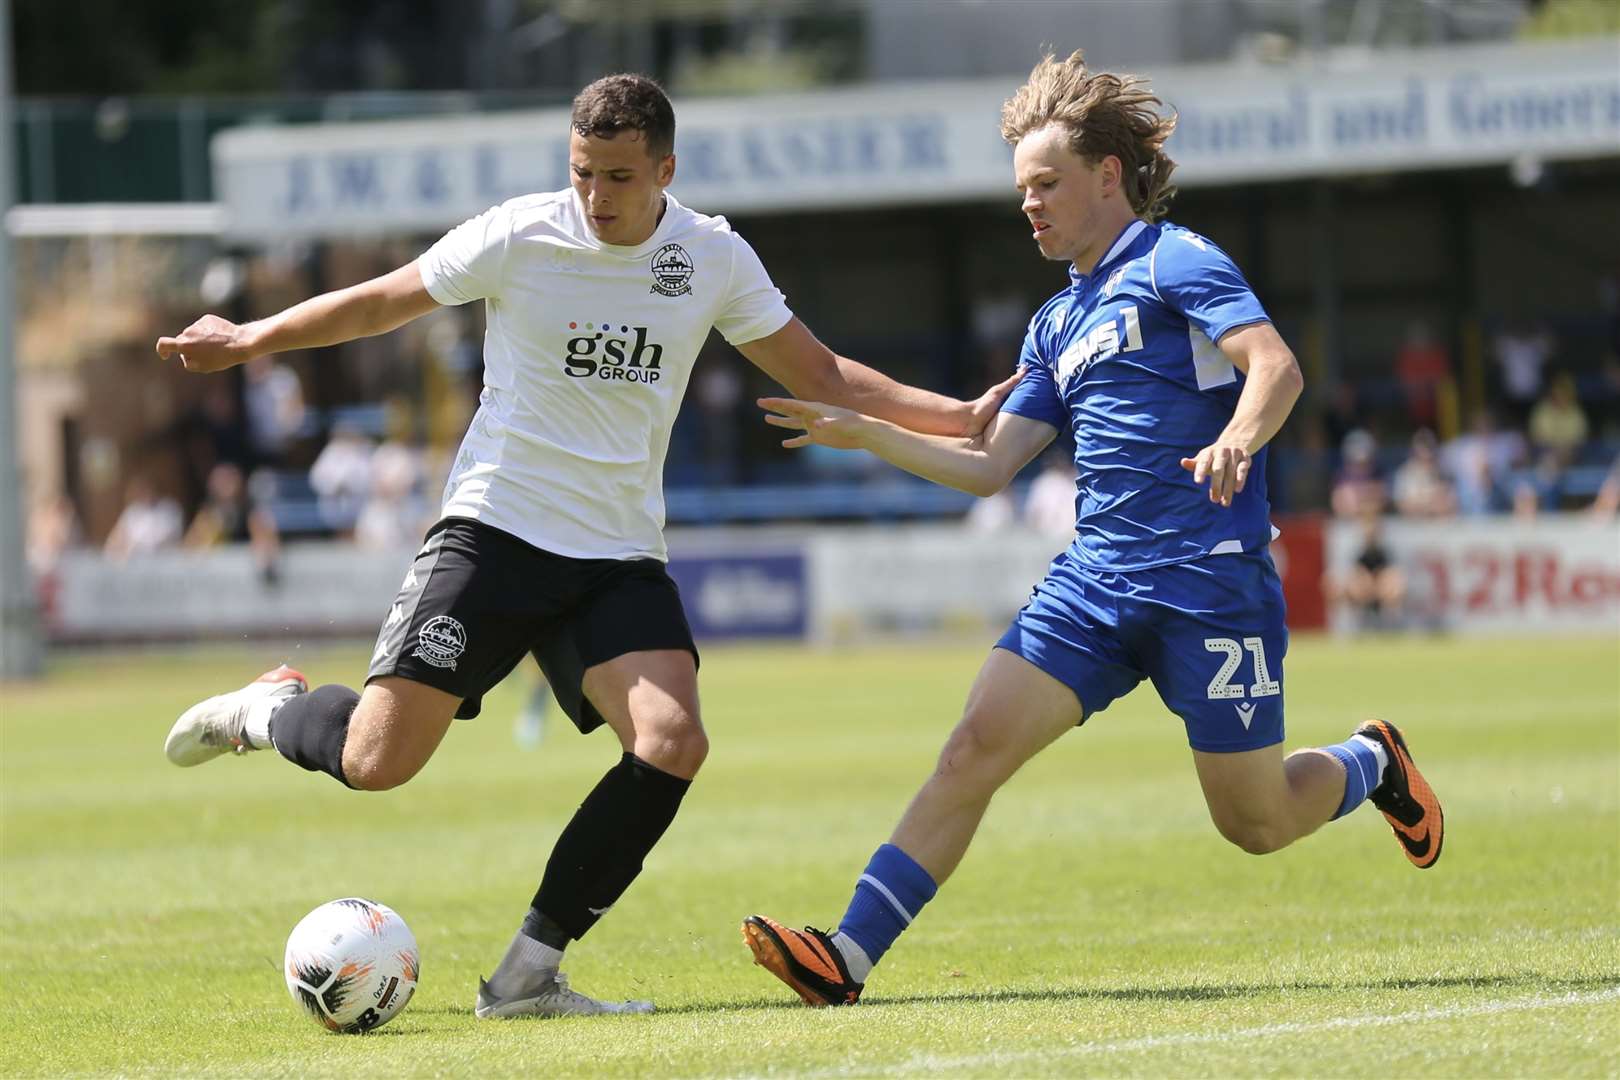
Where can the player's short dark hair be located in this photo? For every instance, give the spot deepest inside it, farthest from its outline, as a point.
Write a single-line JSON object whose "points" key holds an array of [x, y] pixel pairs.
{"points": [[618, 103], [1104, 115]]}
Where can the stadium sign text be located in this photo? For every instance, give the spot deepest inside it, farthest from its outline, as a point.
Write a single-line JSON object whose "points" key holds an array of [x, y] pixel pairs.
{"points": [[888, 144], [1557, 574]]}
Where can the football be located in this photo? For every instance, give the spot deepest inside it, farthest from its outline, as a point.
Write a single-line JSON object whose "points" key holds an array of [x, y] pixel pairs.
{"points": [[352, 964]]}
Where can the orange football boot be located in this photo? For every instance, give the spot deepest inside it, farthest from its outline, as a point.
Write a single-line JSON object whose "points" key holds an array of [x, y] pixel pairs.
{"points": [[806, 960], [1406, 799]]}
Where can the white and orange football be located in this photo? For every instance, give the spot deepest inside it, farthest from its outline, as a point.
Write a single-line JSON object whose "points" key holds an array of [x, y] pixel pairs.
{"points": [[352, 964]]}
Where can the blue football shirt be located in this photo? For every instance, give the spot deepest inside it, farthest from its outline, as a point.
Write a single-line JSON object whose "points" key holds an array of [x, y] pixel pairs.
{"points": [[1125, 359]]}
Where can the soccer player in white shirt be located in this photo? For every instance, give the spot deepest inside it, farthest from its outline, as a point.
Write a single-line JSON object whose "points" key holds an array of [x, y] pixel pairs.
{"points": [[550, 541]]}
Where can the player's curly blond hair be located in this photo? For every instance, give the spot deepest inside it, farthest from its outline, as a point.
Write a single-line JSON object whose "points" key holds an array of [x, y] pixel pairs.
{"points": [[1104, 114]]}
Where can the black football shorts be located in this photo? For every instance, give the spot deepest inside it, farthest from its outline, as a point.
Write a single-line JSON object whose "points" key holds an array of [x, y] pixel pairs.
{"points": [[477, 599]]}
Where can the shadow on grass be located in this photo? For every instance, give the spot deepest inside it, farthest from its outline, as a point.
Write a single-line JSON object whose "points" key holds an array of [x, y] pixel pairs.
{"points": [[1184, 993], [1135, 993]]}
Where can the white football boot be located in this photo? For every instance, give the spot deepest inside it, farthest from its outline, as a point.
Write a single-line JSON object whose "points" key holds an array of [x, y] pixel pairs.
{"points": [[553, 998], [215, 726]]}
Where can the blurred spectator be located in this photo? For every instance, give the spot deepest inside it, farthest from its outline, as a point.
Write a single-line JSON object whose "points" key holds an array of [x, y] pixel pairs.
{"points": [[1342, 414], [341, 477], [395, 514], [1420, 487], [149, 522], [1304, 470], [220, 420], [1558, 425], [1423, 367], [992, 514], [1522, 348], [273, 399], [529, 726], [231, 515], [1373, 585], [1359, 490], [1049, 508], [1608, 293], [210, 432], [719, 391], [460, 346], [53, 527], [1480, 462], [1607, 503], [1602, 393], [999, 316], [1528, 495]]}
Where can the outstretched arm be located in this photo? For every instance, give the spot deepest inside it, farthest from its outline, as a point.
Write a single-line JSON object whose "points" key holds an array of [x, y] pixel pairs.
{"points": [[371, 307], [979, 466], [1273, 385], [812, 372]]}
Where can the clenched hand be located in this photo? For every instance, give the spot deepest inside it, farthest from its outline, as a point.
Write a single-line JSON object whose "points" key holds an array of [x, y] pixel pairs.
{"points": [[209, 344]]}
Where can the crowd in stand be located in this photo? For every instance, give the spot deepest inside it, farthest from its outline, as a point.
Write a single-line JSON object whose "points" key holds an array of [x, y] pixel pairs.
{"points": [[259, 463], [1546, 442], [242, 483]]}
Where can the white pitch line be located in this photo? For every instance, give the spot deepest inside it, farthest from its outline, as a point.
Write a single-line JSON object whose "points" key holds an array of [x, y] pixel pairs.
{"points": [[935, 1063]]}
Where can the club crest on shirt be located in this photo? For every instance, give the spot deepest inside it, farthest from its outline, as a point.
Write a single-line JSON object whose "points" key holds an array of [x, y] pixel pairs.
{"points": [[672, 271], [1113, 282], [564, 260]]}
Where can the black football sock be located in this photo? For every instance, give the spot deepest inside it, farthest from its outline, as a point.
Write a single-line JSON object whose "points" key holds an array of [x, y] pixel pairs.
{"points": [[543, 930], [310, 729], [600, 852]]}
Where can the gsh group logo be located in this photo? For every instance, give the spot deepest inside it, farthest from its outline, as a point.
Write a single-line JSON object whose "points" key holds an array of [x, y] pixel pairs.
{"points": [[602, 353]]}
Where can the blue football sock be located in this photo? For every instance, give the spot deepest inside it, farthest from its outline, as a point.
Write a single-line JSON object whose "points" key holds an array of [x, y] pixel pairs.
{"points": [[888, 896], [1363, 770]]}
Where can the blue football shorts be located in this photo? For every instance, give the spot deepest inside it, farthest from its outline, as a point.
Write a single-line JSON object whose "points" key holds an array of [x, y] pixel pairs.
{"points": [[1210, 633]]}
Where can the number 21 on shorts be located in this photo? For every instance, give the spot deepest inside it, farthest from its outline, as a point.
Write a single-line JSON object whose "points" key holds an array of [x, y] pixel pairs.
{"points": [[1221, 687]]}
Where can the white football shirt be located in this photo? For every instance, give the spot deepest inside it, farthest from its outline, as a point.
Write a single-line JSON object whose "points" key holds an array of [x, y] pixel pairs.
{"points": [[587, 355]]}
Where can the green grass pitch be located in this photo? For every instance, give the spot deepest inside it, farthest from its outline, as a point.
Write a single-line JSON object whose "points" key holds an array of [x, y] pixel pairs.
{"points": [[1098, 927]]}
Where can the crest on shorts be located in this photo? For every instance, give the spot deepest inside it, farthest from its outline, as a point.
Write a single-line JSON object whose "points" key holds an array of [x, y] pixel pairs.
{"points": [[671, 271], [441, 642]]}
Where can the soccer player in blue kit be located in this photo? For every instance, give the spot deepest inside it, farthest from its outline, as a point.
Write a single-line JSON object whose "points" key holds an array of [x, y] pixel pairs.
{"points": [[1167, 371]]}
